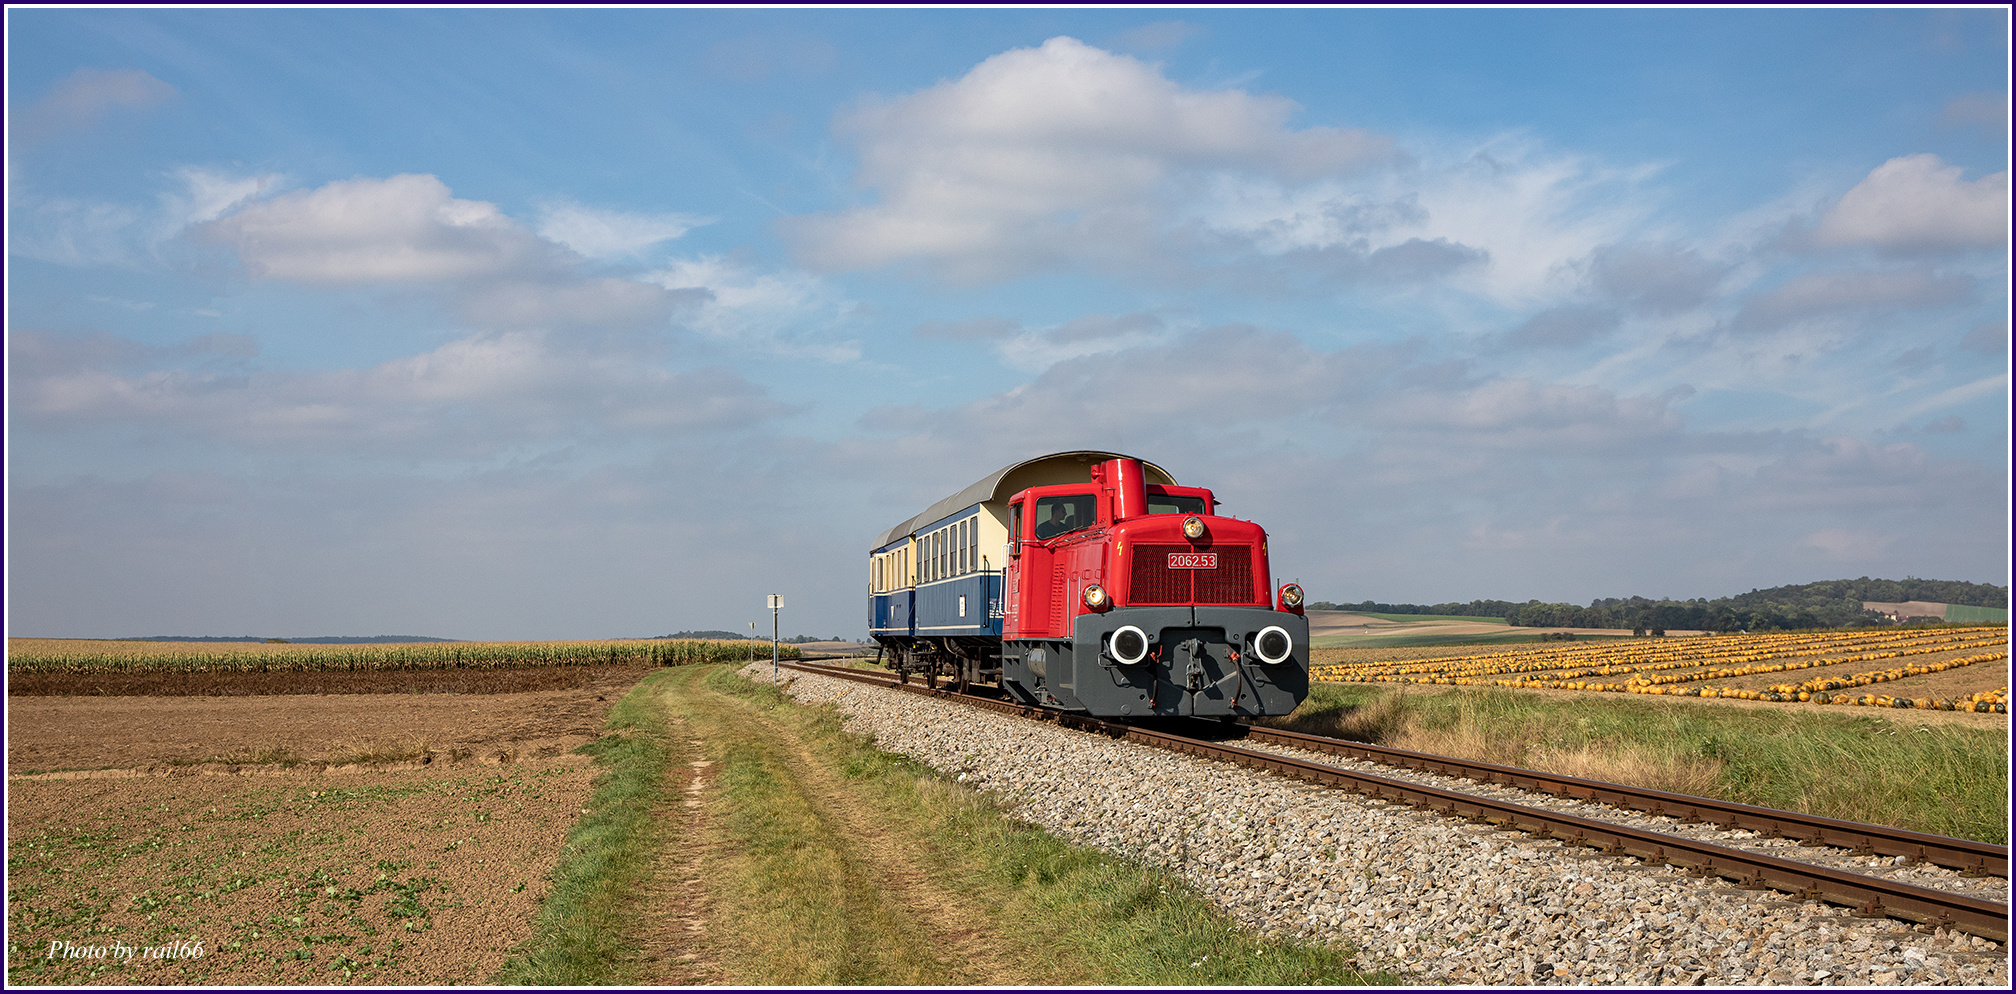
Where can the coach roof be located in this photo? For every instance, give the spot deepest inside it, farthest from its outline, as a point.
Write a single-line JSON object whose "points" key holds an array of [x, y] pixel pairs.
{"points": [[1042, 471]]}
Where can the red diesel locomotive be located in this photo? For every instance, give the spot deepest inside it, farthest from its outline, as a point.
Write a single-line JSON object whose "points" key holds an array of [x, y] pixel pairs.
{"points": [[1091, 581]]}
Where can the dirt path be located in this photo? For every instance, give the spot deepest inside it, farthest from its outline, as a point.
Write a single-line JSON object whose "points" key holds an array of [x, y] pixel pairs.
{"points": [[674, 914], [876, 911]]}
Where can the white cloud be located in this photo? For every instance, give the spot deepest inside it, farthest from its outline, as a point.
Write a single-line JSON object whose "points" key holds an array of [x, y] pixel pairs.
{"points": [[1534, 211], [1658, 278], [1850, 544], [472, 397], [1816, 294], [1918, 203], [1040, 155], [405, 228], [1087, 335], [1505, 218], [1989, 111], [607, 234], [86, 96], [1562, 328], [1988, 336], [1430, 476], [784, 312], [1202, 388], [585, 305], [1158, 35], [97, 233]]}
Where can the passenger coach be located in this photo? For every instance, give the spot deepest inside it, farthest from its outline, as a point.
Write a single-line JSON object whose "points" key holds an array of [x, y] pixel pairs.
{"points": [[1091, 581]]}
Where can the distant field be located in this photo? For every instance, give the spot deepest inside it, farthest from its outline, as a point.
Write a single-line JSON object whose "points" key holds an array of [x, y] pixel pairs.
{"points": [[105, 656], [1408, 618], [1369, 630], [1953, 669]]}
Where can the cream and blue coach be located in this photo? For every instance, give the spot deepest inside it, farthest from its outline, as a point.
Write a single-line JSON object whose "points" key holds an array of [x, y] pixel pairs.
{"points": [[935, 581]]}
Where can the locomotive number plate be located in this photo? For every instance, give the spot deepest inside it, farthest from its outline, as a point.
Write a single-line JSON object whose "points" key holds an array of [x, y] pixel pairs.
{"points": [[1193, 560]]}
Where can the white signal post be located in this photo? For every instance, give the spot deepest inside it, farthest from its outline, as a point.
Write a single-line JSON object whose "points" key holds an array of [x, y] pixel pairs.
{"points": [[776, 604]]}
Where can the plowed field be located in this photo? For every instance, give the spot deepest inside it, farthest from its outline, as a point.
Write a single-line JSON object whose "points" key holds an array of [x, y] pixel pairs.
{"points": [[390, 839]]}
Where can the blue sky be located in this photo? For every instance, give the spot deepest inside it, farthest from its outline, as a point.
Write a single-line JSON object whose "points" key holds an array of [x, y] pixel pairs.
{"points": [[579, 324]]}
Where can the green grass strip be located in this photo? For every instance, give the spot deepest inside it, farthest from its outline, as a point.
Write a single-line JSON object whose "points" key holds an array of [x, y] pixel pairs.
{"points": [[583, 935], [1931, 776]]}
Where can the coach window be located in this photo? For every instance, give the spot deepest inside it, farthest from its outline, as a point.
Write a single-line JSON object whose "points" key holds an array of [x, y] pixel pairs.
{"points": [[964, 566], [1060, 515], [973, 543]]}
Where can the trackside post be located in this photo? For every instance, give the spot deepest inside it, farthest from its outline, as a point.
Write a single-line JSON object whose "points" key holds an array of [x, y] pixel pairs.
{"points": [[776, 602]]}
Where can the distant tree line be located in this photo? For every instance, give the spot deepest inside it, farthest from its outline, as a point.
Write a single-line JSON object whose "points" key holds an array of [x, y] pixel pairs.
{"points": [[724, 636], [1471, 609], [1826, 604]]}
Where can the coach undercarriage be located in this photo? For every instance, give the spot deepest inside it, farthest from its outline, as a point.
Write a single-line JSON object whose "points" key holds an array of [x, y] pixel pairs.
{"points": [[960, 662]]}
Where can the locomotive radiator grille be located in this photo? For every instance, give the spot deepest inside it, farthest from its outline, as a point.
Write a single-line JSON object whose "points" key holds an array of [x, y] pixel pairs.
{"points": [[1153, 582]]}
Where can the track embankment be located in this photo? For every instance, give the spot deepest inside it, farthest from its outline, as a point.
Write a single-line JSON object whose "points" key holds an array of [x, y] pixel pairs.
{"points": [[1440, 900]]}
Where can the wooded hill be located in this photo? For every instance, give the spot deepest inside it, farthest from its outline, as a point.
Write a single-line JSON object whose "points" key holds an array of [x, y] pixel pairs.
{"points": [[1825, 604]]}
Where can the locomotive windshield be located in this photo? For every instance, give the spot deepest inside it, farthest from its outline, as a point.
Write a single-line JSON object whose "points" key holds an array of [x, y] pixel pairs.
{"points": [[1057, 515], [1174, 504]]}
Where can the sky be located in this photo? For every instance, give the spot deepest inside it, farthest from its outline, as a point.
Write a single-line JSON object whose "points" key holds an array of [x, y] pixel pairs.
{"points": [[544, 324]]}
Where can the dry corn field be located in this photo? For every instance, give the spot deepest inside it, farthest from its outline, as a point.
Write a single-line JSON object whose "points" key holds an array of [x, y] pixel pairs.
{"points": [[94, 656], [1819, 667]]}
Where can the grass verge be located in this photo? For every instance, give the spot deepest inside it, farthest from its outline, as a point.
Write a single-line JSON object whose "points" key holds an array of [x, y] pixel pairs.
{"points": [[1940, 778], [840, 864], [583, 932]]}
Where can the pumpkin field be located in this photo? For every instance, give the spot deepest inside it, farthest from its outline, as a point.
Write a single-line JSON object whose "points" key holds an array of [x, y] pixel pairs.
{"points": [[1823, 668]]}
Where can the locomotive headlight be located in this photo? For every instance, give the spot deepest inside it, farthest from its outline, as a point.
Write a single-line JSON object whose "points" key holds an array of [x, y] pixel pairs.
{"points": [[1095, 597], [1291, 595], [1128, 646], [1273, 645], [1193, 527]]}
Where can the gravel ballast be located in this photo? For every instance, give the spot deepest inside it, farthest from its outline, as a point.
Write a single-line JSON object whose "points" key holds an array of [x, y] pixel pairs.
{"points": [[1442, 901]]}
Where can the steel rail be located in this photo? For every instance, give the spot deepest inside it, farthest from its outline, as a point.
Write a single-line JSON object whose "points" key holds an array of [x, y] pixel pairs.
{"points": [[1970, 857], [1870, 896]]}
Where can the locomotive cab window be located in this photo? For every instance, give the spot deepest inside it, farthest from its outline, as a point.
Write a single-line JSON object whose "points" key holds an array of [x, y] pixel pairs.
{"points": [[1061, 515], [1175, 504]]}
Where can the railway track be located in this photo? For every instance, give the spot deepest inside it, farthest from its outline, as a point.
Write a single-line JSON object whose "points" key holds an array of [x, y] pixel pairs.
{"points": [[1868, 895]]}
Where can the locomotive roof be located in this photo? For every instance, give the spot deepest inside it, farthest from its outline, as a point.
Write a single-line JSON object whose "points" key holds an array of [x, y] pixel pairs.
{"points": [[1006, 482]]}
